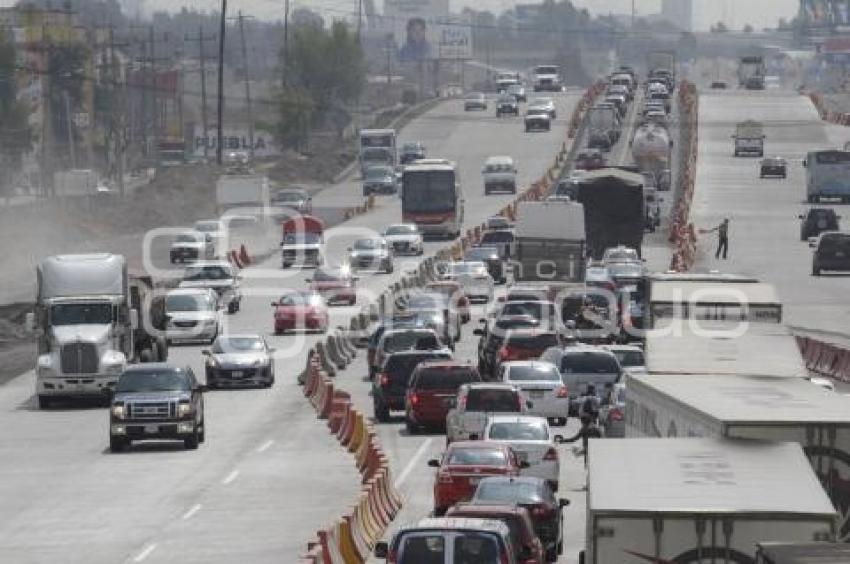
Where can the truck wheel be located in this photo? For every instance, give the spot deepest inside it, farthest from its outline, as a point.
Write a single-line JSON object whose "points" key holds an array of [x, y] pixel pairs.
{"points": [[193, 440], [162, 350], [43, 402], [117, 444], [202, 437], [146, 356], [412, 428], [232, 307]]}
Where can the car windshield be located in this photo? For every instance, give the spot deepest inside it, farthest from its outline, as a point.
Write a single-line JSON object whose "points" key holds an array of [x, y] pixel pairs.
{"points": [[538, 342], [514, 88], [534, 373], [376, 154], [519, 431], [629, 358], [81, 314], [477, 457], [544, 69], [426, 301], [404, 363], [468, 269], [328, 275], [445, 378], [507, 99], [429, 191], [503, 401], [410, 148], [378, 173], [422, 549], [187, 238], [513, 322], [497, 237], [402, 230], [306, 238], [208, 226], [367, 244], [537, 310], [207, 273], [481, 253], [508, 491], [289, 197], [498, 223], [476, 96], [189, 302], [621, 254], [237, 345], [537, 112], [832, 157], [407, 340], [835, 242], [589, 363], [168, 380], [300, 299]]}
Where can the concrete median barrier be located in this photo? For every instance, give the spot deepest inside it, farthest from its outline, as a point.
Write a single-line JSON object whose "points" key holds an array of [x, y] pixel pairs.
{"points": [[324, 361], [333, 353]]}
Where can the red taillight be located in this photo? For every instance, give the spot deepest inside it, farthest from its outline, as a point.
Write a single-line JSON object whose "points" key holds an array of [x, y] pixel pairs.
{"points": [[540, 511], [505, 354], [551, 454], [562, 392], [414, 399], [384, 379], [616, 414], [461, 403]]}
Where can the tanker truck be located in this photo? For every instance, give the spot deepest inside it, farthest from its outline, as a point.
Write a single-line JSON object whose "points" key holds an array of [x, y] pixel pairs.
{"points": [[92, 318], [651, 151]]}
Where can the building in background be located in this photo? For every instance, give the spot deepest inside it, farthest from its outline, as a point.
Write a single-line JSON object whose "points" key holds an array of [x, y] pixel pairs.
{"points": [[679, 12]]}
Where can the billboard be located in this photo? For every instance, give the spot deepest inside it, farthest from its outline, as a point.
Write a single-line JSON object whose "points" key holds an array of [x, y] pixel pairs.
{"points": [[424, 30], [234, 138], [825, 13]]}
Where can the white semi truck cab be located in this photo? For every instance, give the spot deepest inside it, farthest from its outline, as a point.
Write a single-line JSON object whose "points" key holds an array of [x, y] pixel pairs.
{"points": [[86, 326]]}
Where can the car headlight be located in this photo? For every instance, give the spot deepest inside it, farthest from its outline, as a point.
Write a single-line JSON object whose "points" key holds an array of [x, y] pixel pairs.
{"points": [[184, 409], [118, 411]]}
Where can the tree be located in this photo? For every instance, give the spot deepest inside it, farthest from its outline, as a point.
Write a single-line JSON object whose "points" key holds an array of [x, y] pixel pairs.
{"points": [[748, 28], [305, 17], [719, 27], [15, 132], [295, 112]]}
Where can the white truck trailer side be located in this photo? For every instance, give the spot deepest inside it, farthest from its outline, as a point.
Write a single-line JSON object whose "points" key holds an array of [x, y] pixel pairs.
{"points": [[754, 408], [699, 500]]}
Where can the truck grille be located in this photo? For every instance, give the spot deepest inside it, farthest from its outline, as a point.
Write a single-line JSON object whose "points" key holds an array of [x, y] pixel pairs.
{"points": [[185, 324], [78, 358], [401, 245], [151, 410]]}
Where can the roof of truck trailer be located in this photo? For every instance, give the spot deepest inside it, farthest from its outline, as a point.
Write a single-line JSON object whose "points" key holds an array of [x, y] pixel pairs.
{"points": [[691, 475], [596, 175], [736, 399], [759, 349], [714, 291]]}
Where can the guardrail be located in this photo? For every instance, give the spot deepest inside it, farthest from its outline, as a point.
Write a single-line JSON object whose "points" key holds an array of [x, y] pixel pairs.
{"points": [[825, 358], [838, 118], [682, 232]]}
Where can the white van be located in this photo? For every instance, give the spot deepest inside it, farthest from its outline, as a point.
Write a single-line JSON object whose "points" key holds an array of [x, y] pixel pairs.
{"points": [[499, 175]]}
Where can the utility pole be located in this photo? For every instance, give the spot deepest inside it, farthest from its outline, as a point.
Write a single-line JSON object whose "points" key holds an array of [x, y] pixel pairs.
{"points": [[220, 132], [246, 72], [69, 123], [285, 43], [46, 130], [633, 14], [359, 18], [201, 38], [118, 122]]}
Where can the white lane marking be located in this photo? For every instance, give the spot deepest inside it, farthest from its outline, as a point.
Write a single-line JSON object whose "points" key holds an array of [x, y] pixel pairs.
{"points": [[265, 446], [192, 511], [413, 462], [145, 553], [230, 477]]}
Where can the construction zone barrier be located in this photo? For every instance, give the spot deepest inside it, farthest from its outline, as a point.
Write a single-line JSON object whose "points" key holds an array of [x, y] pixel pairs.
{"points": [[682, 233], [826, 359]]}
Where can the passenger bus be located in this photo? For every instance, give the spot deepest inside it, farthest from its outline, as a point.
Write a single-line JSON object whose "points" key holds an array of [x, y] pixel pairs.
{"points": [[431, 197], [827, 175]]}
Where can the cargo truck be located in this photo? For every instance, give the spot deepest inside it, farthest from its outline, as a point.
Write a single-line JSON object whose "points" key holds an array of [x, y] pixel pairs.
{"points": [[749, 138], [249, 191], [692, 501], [752, 408], [724, 347], [613, 209], [377, 148], [751, 72], [550, 239], [91, 319]]}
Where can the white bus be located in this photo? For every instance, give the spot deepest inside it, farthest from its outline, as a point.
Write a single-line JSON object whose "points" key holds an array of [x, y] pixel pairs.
{"points": [[431, 197], [827, 175]]}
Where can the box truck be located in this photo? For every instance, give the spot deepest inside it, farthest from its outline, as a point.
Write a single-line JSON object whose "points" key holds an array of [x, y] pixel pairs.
{"points": [[613, 209], [747, 407], [549, 242], [699, 500]]}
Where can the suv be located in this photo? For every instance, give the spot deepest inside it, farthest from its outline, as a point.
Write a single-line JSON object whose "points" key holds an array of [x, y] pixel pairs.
{"points": [[507, 104], [218, 275], [156, 401], [459, 539], [467, 418], [525, 344], [389, 386], [817, 220], [493, 336], [405, 339], [191, 246], [499, 175], [537, 117], [832, 252], [582, 366], [432, 384]]}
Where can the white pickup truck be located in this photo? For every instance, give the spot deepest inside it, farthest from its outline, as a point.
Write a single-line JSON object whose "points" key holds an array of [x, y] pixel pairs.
{"points": [[468, 415]]}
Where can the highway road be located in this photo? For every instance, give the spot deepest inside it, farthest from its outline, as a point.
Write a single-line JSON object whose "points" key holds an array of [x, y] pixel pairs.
{"points": [[269, 475], [764, 233]]}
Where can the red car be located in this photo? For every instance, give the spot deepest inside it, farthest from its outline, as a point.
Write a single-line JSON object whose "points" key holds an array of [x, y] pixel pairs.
{"points": [[464, 464], [335, 285], [455, 291], [526, 344], [432, 384], [529, 549], [300, 310]]}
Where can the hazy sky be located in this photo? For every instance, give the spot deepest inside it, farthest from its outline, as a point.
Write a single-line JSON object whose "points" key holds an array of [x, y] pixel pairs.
{"points": [[736, 13]]}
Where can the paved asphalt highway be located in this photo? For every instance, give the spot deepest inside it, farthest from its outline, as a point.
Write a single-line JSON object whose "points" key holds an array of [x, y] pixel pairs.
{"points": [[764, 234], [269, 474]]}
